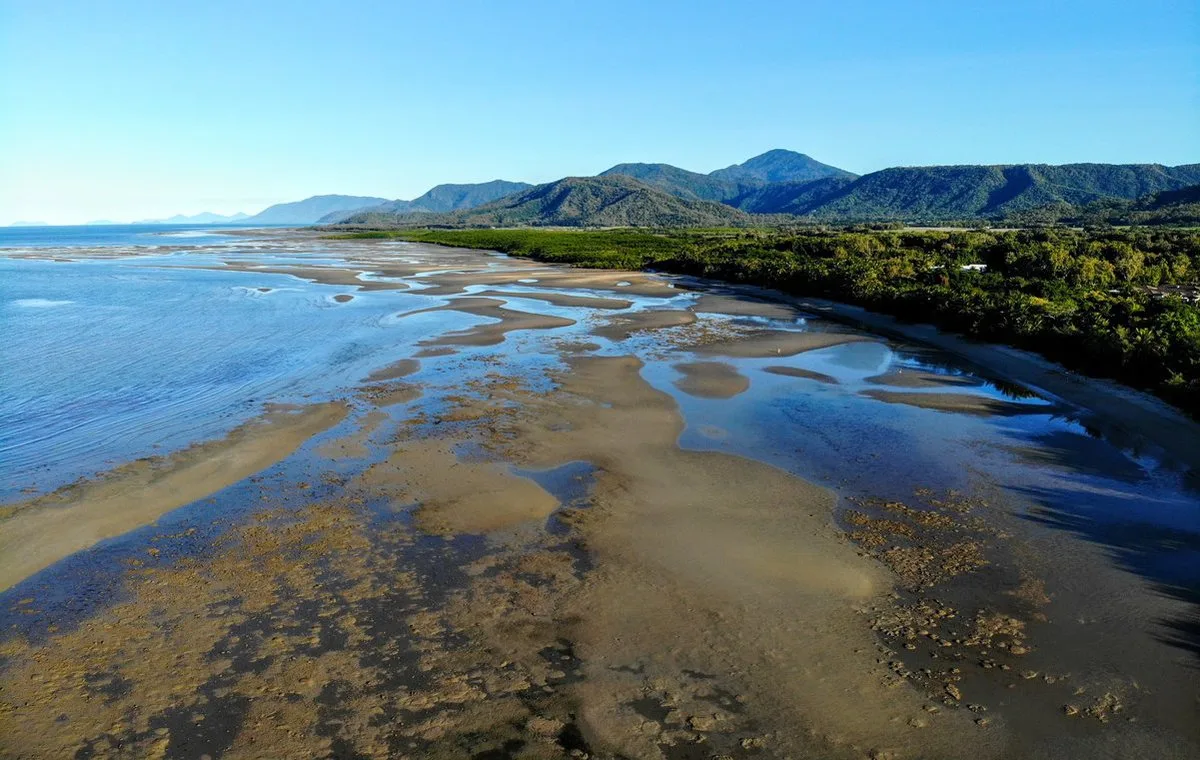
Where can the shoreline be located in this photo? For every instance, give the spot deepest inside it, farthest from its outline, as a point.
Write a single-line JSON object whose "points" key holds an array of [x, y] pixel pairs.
{"points": [[1120, 412]]}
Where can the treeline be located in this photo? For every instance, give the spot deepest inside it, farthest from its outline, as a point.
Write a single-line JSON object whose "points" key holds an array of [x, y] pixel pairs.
{"points": [[1179, 208], [1108, 303]]}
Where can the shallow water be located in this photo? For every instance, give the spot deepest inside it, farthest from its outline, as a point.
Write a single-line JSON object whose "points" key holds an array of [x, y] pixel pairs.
{"points": [[108, 360]]}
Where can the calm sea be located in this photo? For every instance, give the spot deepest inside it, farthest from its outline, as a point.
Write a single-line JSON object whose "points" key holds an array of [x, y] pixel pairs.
{"points": [[87, 235]]}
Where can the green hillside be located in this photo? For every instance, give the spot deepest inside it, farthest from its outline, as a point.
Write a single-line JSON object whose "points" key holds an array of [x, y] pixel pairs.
{"points": [[613, 201], [790, 197], [732, 183], [440, 199], [679, 182], [1171, 207], [937, 193]]}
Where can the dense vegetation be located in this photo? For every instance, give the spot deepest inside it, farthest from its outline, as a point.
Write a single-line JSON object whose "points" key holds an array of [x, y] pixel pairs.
{"points": [[1098, 301], [681, 182], [940, 193], [1174, 207]]}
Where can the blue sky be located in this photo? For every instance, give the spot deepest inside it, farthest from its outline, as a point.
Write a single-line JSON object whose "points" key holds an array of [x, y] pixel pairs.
{"points": [[126, 110]]}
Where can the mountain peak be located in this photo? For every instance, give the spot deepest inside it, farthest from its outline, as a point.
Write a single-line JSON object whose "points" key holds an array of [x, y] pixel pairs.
{"points": [[779, 165]]}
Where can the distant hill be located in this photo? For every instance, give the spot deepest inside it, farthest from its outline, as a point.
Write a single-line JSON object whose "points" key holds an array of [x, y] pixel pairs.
{"points": [[440, 199], [456, 197], [779, 166], [612, 201], [733, 182], [932, 193], [310, 210], [202, 218], [676, 181]]}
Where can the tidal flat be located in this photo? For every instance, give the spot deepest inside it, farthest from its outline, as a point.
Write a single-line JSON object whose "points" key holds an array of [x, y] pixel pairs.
{"points": [[287, 496]]}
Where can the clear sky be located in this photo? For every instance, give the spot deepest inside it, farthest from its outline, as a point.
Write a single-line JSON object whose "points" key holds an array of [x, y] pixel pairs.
{"points": [[125, 110]]}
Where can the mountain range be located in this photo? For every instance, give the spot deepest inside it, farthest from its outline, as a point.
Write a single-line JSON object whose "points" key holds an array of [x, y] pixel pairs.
{"points": [[440, 199], [606, 201], [206, 217], [780, 183], [311, 210]]}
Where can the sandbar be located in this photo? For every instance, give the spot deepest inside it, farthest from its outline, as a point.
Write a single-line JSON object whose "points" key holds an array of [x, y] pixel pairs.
{"points": [[808, 374], [621, 327], [916, 378], [48, 528], [562, 299], [777, 343], [961, 403], [710, 379], [395, 370], [493, 333], [741, 306]]}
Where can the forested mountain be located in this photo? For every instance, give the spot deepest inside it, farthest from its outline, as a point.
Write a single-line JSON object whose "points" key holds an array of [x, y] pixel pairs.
{"points": [[311, 210], [731, 183], [611, 201], [1178, 207], [678, 182], [785, 182], [779, 166], [790, 197], [441, 198], [934, 193]]}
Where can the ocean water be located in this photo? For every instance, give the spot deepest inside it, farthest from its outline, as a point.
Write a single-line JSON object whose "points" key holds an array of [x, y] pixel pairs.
{"points": [[88, 235], [108, 360]]}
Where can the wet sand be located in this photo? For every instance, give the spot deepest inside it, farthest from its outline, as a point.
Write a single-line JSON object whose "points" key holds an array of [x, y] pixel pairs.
{"points": [[508, 320], [919, 379], [34, 534], [807, 374], [710, 379], [526, 563], [531, 275], [961, 403], [395, 370], [776, 343], [743, 307], [322, 274], [562, 299], [621, 327]]}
